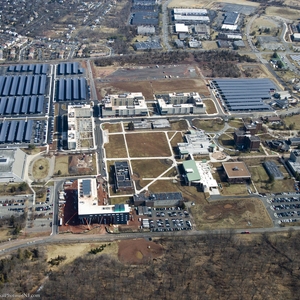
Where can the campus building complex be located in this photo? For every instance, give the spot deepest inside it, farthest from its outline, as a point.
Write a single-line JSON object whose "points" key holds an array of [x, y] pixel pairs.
{"points": [[125, 105], [236, 172], [80, 127], [181, 103], [90, 212]]}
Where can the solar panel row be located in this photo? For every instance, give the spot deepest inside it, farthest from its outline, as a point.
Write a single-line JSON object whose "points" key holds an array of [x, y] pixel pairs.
{"points": [[16, 131], [22, 85], [37, 69], [71, 89], [69, 68], [19, 105], [245, 94]]}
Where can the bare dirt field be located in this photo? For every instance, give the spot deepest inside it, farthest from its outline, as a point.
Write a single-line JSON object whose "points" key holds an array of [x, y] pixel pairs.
{"points": [[112, 128], [139, 251], [40, 168], [150, 80], [152, 144], [210, 107], [240, 213], [116, 146]]}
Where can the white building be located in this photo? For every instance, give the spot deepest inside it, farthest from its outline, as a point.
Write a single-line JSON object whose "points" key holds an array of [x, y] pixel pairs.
{"points": [[80, 127], [197, 143], [181, 28], [296, 37], [181, 103], [128, 104], [90, 212], [145, 30], [12, 165]]}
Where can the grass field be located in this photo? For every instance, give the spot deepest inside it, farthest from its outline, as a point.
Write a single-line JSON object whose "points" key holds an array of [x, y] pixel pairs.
{"points": [[112, 128], [150, 168], [13, 189], [236, 123], [40, 168], [209, 45], [180, 125], [226, 140], [209, 125], [283, 12], [118, 200], [292, 120], [116, 146], [152, 144], [210, 107], [62, 164], [231, 214]]}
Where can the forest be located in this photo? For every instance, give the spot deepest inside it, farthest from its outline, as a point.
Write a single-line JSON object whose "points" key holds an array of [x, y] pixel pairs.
{"points": [[210, 266]]}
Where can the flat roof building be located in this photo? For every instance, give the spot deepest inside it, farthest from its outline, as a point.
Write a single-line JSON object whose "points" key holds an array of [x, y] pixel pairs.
{"points": [[181, 103], [80, 127], [179, 27], [236, 172], [123, 180], [273, 170], [12, 165], [231, 18], [197, 143], [127, 104], [90, 212], [158, 199], [192, 175]]}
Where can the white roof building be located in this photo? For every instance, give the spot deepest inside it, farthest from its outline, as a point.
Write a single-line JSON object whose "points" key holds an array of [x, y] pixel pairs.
{"points": [[12, 165], [179, 28], [190, 11]]}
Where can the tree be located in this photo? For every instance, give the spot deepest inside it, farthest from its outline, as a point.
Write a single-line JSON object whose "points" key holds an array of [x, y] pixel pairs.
{"points": [[59, 172], [31, 147], [23, 186]]}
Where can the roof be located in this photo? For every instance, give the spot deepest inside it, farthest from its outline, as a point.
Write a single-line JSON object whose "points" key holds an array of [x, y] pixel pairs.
{"points": [[231, 18], [273, 169], [158, 196], [191, 170], [179, 27], [236, 170]]}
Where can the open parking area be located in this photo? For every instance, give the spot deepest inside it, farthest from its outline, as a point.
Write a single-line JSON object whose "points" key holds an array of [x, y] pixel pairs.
{"points": [[286, 207], [167, 219]]}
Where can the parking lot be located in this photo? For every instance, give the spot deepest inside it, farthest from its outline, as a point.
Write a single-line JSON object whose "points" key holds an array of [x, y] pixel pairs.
{"points": [[167, 219], [286, 208]]}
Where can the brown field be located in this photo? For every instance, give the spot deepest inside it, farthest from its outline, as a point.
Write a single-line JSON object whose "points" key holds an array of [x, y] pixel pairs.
{"points": [[149, 168], [62, 164], [207, 3], [231, 214], [103, 71], [152, 144], [177, 138], [209, 125], [291, 120], [283, 12], [210, 107], [180, 85], [139, 251], [209, 45], [121, 87], [180, 125], [40, 168], [116, 146], [112, 128]]}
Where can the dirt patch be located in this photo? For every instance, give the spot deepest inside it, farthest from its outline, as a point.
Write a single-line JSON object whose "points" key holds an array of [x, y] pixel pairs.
{"points": [[232, 214], [139, 251]]}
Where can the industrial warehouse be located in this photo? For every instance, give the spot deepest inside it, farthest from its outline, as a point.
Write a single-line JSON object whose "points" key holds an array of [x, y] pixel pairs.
{"points": [[244, 94]]}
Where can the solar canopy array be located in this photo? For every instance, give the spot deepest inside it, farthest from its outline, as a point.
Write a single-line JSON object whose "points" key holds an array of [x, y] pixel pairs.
{"points": [[16, 131], [71, 89], [38, 69], [22, 85], [21, 105], [69, 69], [245, 94]]}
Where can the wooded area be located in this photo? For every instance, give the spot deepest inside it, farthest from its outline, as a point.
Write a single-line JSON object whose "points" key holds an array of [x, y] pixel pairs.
{"points": [[211, 266]]}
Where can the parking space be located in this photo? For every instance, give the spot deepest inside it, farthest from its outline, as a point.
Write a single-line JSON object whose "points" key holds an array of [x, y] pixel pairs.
{"points": [[167, 219], [286, 208]]}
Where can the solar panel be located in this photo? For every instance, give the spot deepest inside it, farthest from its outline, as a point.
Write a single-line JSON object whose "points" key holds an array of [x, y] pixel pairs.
{"points": [[17, 106], [28, 132], [42, 85], [32, 107], [4, 130], [7, 86], [2, 83], [21, 85], [61, 89], [82, 88], [86, 187], [35, 87], [3, 105], [28, 85], [68, 89], [9, 106], [25, 105], [40, 104], [20, 131], [12, 131]]}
